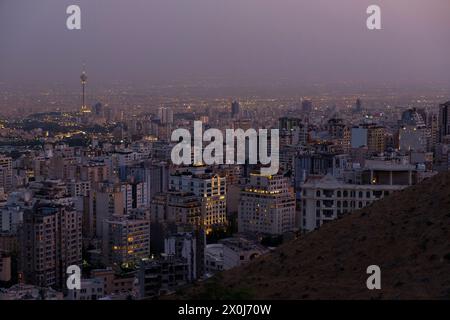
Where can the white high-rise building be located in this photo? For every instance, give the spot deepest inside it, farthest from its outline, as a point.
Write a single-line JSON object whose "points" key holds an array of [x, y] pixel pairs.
{"points": [[267, 206]]}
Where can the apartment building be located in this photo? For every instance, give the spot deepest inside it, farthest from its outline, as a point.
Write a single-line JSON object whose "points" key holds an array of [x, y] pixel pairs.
{"points": [[267, 206], [209, 188], [325, 198], [50, 242], [126, 239]]}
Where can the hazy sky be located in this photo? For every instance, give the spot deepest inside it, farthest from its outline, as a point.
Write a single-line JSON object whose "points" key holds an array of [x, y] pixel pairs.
{"points": [[158, 41]]}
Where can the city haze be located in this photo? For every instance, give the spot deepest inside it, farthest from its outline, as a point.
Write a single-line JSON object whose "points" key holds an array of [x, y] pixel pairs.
{"points": [[232, 42]]}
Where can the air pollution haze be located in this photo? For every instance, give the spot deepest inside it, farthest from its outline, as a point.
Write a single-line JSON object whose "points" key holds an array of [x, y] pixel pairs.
{"points": [[229, 41], [232, 152]]}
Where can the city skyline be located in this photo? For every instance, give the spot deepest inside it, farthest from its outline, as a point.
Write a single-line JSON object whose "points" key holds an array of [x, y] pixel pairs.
{"points": [[224, 150]]}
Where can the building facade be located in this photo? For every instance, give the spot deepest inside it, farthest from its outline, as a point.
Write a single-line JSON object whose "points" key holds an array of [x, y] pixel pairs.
{"points": [[50, 242], [267, 206]]}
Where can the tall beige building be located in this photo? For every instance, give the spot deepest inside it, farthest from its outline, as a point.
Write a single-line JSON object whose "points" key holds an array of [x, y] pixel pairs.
{"points": [[210, 189], [267, 206], [376, 139]]}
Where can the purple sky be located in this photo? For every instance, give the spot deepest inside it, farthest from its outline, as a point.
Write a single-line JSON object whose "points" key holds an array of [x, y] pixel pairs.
{"points": [[238, 41]]}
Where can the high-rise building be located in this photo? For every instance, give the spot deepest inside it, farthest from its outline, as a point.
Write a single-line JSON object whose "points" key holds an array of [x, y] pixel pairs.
{"points": [[126, 239], [307, 106], [127, 194], [336, 128], [235, 109], [184, 209], [63, 167], [165, 115], [134, 195], [6, 180], [317, 163], [94, 172], [433, 125], [103, 203], [371, 136], [376, 139], [171, 211], [444, 120], [51, 241], [78, 188], [267, 206], [358, 106], [340, 133], [155, 176], [413, 133], [209, 188], [98, 109], [289, 123]]}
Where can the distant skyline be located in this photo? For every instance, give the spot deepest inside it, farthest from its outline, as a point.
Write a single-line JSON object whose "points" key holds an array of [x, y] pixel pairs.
{"points": [[231, 42]]}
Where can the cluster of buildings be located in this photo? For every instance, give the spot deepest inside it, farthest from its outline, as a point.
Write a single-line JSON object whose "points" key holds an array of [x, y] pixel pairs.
{"points": [[140, 227]]}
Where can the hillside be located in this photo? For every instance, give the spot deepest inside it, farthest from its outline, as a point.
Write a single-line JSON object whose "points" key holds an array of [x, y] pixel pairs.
{"points": [[407, 234]]}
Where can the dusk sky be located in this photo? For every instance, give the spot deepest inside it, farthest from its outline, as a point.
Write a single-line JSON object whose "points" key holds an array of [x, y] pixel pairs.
{"points": [[237, 41]]}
